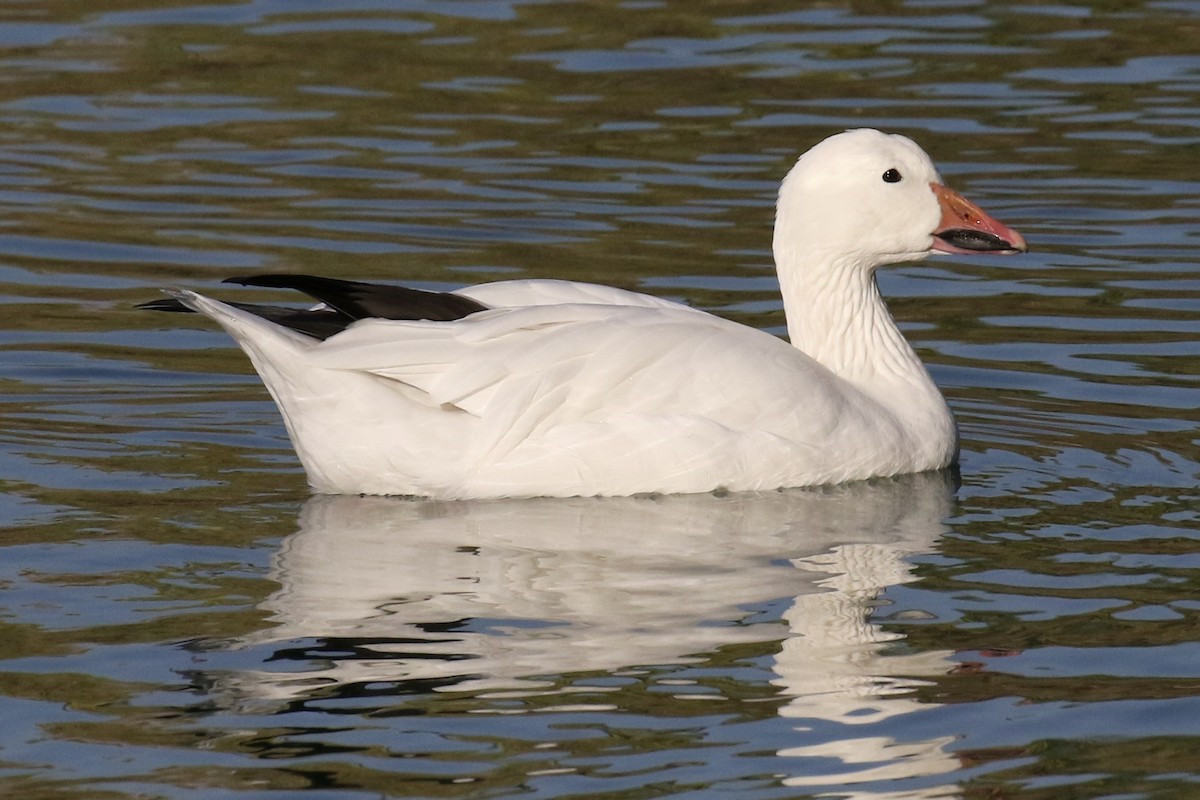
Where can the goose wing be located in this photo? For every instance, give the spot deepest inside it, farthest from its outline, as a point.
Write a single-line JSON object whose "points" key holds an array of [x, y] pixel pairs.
{"points": [[527, 371]]}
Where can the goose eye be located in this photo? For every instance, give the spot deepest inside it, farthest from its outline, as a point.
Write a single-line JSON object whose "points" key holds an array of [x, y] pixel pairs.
{"points": [[892, 176]]}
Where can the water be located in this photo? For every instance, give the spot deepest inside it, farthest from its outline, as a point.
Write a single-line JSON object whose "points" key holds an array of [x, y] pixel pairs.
{"points": [[179, 619]]}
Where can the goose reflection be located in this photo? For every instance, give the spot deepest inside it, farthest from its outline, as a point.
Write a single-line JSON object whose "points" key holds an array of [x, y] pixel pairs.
{"points": [[491, 595], [836, 668]]}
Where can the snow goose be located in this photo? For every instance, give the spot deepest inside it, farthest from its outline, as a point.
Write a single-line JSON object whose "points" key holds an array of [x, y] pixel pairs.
{"points": [[557, 388]]}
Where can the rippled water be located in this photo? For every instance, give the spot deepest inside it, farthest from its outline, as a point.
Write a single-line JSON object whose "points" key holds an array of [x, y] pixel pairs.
{"points": [[178, 618]]}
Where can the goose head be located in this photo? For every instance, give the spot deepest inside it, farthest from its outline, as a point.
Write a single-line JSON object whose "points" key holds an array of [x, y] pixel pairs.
{"points": [[867, 199]]}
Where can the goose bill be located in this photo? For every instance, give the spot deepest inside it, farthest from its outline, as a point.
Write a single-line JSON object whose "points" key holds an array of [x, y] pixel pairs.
{"points": [[967, 228]]}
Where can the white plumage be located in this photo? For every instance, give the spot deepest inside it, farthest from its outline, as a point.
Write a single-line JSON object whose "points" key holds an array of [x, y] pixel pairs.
{"points": [[562, 388]]}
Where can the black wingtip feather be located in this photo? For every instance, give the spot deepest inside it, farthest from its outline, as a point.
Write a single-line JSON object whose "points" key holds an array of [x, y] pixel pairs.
{"points": [[345, 302], [361, 300]]}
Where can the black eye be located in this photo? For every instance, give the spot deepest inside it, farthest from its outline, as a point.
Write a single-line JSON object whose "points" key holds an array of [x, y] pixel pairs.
{"points": [[892, 176]]}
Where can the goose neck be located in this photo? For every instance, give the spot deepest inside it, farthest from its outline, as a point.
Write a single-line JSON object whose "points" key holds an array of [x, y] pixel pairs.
{"points": [[837, 316]]}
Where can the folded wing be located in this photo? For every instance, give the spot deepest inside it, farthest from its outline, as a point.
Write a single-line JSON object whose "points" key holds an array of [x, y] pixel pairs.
{"points": [[526, 372]]}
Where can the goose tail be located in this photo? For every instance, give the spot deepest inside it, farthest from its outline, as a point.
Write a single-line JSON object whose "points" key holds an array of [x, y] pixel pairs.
{"points": [[248, 329]]}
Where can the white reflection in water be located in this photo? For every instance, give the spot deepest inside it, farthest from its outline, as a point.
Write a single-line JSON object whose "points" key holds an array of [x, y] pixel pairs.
{"points": [[835, 666], [490, 595]]}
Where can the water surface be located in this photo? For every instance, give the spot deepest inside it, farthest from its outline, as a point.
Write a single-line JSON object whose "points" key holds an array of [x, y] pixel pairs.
{"points": [[180, 619]]}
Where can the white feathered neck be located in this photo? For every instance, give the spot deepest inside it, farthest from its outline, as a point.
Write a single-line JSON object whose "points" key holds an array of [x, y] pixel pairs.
{"points": [[837, 220]]}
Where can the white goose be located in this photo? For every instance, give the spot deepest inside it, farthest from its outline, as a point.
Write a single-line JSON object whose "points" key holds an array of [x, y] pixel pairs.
{"points": [[555, 388]]}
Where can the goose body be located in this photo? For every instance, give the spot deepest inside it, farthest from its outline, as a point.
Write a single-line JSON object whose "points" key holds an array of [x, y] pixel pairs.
{"points": [[556, 388]]}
